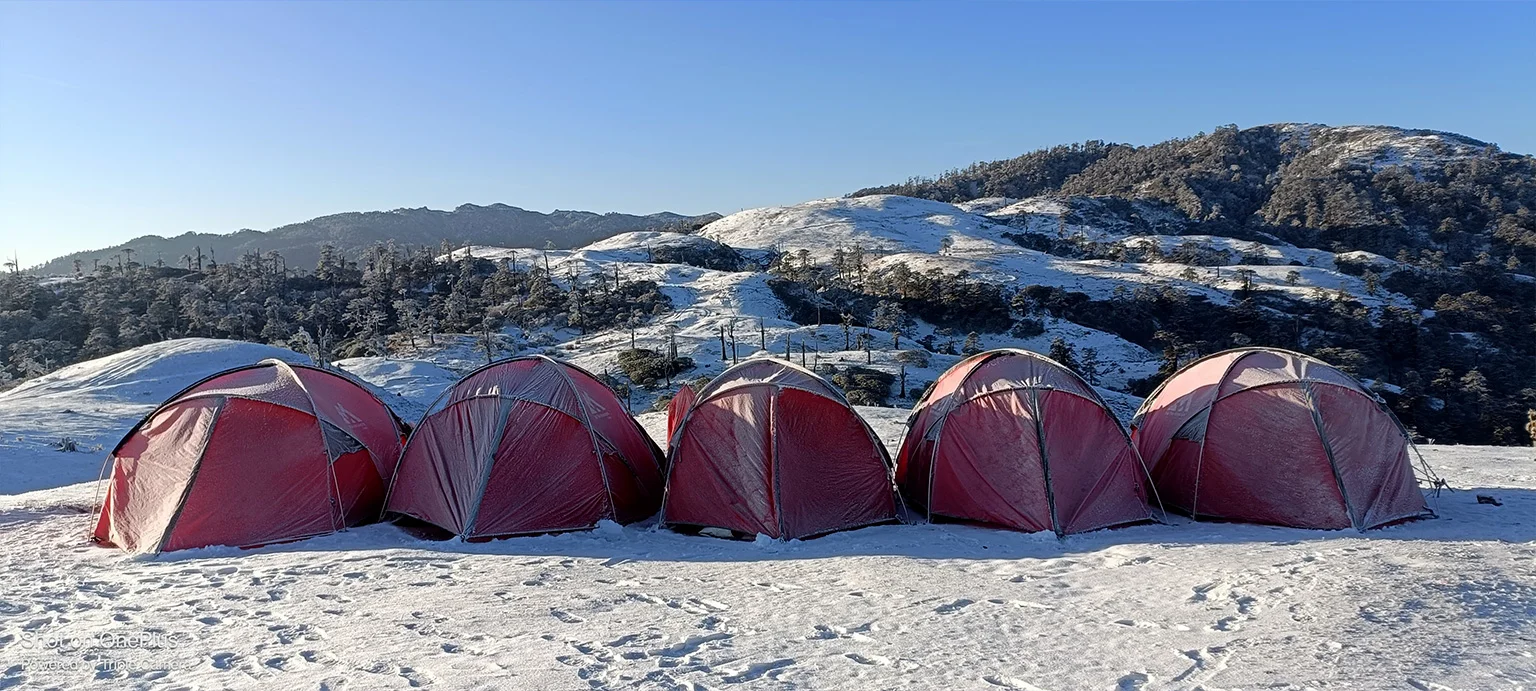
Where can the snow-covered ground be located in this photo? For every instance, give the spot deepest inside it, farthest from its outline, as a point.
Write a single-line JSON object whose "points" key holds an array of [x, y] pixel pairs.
{"points": [[1442, 603]]}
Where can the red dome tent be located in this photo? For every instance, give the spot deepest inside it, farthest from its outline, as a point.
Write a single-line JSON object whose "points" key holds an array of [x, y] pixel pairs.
{"points": [[678, 407], [1271, 436], [251, 456], [770, 448], [1011, 438], [527, 445]]}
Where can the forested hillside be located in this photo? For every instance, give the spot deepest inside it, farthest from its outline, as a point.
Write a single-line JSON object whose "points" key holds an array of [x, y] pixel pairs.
{"points": [[1378, 189], [343, 308], [1456, 215]]}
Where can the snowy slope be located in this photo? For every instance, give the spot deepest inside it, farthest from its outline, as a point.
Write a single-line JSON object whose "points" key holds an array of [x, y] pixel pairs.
{"points": [[927, 234], [95, 402], [412, 384], [1379, 146]]}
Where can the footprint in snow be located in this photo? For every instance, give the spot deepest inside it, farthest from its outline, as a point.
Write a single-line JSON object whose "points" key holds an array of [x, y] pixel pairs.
{"points": [[954, 607], [692, 645], [318, 657], [758, 671], [1135, 681], [1202, 592], [335, 684], [1010, 683]]}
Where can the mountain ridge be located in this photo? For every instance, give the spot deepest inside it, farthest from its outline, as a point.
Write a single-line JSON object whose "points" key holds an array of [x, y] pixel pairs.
{"points": [[352, 231]]}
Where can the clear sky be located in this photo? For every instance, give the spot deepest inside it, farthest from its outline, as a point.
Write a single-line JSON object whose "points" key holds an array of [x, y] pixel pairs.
{"points": [[121, 119]]}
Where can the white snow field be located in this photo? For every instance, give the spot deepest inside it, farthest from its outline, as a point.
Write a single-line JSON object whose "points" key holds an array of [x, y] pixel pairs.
{"points": [[1447, 603]]}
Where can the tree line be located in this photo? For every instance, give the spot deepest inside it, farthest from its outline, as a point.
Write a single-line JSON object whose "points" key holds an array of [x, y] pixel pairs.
{"points": [[345, 307]]}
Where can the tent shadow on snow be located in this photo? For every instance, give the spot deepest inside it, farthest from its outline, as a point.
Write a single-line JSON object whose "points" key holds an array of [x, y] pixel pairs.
{"points": [[1461, 519]]}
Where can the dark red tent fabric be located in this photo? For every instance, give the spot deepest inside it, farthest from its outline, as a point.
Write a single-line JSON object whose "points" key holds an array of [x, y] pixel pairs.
{"points": [[1271, 436], [1011, 438], [770, 448], [527, 445], [677, 408], [251, 456]]}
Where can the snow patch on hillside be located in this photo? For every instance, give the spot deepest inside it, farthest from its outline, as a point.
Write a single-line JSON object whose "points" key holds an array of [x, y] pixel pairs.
{"points": [[927, 234], [1378, 147]]}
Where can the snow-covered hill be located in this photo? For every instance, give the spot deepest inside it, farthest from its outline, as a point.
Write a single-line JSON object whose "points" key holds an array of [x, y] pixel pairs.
{"points": [[705, 300], [972, 236], [94, 403]]}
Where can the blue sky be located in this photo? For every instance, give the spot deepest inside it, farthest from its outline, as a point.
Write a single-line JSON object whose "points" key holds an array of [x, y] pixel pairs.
{"points": [[122, 119]]}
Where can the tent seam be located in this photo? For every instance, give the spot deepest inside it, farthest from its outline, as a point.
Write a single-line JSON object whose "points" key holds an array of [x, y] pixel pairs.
{"points": [[1194, 504], [773, 460], [338, 513], [197, 468], [1333, 463], [1045, 464], [586, 421], [503, 414]]}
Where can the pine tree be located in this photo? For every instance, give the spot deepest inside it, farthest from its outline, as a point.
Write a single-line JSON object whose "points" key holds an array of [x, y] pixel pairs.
{"points": [[972, 344], [1090, 366], [1063, 353]]}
